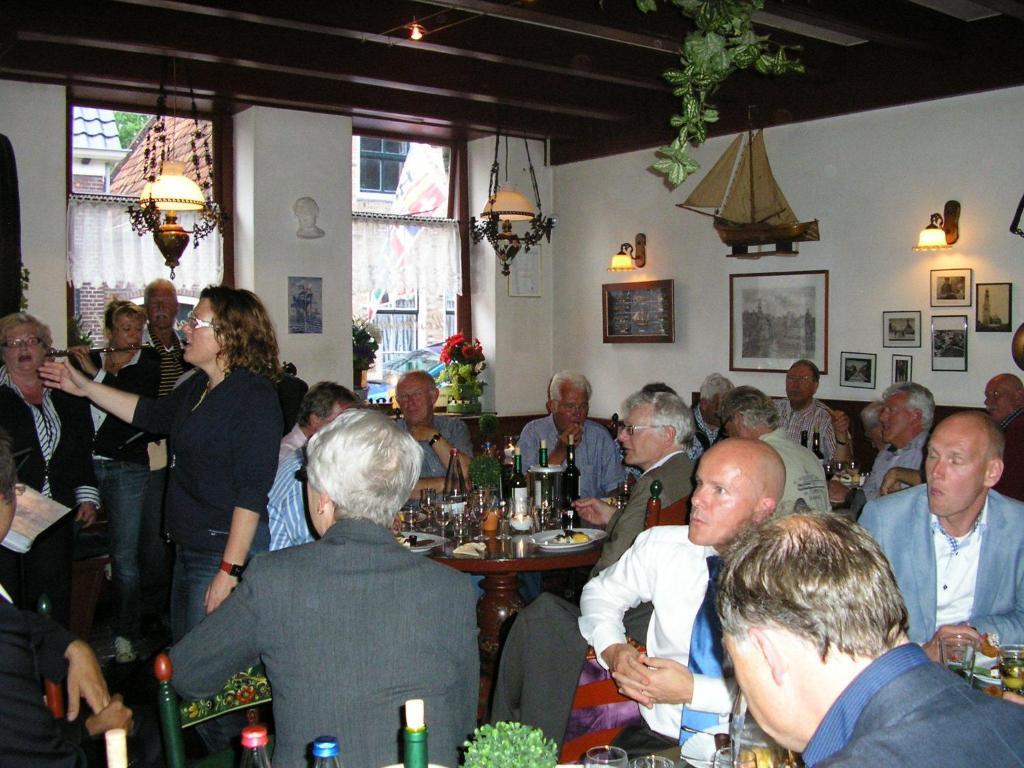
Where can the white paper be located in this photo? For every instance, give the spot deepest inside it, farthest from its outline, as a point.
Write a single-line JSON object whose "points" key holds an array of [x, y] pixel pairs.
{"points": [[33, 515]]}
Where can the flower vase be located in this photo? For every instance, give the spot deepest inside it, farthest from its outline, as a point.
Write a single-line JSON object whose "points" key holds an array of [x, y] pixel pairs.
{"points": [[469, 405], [359, 377]]}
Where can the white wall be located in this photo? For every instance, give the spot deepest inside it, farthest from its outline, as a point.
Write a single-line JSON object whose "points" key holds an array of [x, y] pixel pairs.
{"points": [[34, 118], [872, 179], [280, 156], [516, 331]]}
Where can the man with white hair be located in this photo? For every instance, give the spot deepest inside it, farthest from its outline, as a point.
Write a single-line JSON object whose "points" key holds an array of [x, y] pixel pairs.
{"points": [[597, 456], [706, 420], [350, 626]]}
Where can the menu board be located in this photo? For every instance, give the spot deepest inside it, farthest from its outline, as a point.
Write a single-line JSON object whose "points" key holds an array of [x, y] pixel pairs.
{"points": [[638, 312]]}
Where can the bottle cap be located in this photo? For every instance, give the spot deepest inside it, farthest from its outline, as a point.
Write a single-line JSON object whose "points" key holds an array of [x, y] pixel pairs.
{"points": [[254, 736], [325, 746], [414, 714]]}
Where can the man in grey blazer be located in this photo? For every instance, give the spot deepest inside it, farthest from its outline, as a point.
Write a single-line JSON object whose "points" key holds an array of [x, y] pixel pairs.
{"points": [[351, 626], [956, 546], [816, 628]]}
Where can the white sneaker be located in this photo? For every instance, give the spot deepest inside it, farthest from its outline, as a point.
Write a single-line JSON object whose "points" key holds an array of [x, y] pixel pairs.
{"points": [[124, 651]]}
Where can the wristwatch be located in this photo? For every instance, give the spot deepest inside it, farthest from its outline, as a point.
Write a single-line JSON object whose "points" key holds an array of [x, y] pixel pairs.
{"points": [[434, 439], [231, 569]]}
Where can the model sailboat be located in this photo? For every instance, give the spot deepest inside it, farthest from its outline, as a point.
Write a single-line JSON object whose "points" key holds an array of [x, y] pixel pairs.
{"points": [[750, 209]]}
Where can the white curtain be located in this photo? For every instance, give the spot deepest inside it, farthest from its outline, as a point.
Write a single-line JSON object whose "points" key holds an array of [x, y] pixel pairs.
{"points": [[403, 256], [103, 249]]}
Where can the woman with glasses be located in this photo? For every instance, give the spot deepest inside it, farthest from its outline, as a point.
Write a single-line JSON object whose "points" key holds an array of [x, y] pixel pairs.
{"points": [[121, 459], [52, 442], [224, 426]]}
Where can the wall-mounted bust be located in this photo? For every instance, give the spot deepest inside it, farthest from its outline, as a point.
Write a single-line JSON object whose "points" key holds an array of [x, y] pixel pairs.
{"points": [[306, 210]]}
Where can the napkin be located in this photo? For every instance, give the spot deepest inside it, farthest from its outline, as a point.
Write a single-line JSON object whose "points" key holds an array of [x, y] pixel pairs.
{"points": [[471, 549]]}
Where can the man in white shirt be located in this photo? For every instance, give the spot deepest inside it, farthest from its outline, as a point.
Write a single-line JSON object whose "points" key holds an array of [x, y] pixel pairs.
{"points": [[739, 482], [800, 412], [956, 546]]}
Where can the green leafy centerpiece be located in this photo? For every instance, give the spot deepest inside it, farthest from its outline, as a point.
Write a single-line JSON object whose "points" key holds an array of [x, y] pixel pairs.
{"points": [[510, 745], [464, 362]]}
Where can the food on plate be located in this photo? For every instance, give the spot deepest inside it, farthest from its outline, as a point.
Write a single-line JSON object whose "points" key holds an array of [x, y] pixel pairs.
{"points": [[989, 645], [408, 541], [993, 690], [576, 537]]}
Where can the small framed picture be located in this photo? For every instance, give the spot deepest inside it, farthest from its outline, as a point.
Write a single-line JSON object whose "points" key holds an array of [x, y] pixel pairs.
{"points": [[858, 369], [951, 287], [901, 329], [902, 369], [949, 342], [992, 307], [638, 312]]}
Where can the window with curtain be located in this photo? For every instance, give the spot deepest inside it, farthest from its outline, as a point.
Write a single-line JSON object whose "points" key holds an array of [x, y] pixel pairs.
{"points": [[406, 264]]}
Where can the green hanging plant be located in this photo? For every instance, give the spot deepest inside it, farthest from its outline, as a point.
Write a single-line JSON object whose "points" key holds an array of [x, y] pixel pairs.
{"points": [[723, 42]]}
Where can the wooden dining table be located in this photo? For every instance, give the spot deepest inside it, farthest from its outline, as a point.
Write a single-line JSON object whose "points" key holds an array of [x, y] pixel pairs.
{"points": [[500, 565]]}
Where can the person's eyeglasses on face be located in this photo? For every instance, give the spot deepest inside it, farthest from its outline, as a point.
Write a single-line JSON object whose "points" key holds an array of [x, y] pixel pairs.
{"points": [[28, 341], [193, 323], [632, 429]]}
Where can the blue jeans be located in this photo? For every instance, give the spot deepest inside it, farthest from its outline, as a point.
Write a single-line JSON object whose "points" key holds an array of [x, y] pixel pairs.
{"points": [[122, 487], [154, 553], [194, 569]]}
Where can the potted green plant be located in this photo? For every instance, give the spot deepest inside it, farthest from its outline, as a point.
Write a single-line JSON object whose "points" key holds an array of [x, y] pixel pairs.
{"points": [[510, 745], [485, 472], [464, 362], [365, 343]]}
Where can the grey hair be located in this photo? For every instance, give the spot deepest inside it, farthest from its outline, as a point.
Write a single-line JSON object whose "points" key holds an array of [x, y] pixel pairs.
{"points": [[160, 282], [919, 398], [714, 384], [365, 464], [756, 408], [870, 413], [320, 400], [574, 379], [668, 410]]}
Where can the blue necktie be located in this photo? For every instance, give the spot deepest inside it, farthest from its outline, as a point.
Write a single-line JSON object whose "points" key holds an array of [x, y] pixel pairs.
{"points": [[705, 651]]}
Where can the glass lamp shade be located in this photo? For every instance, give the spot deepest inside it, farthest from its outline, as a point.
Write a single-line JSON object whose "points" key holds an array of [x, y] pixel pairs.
{"points": [[621, 262], [510, 204], [173, 190], [932, 238]]}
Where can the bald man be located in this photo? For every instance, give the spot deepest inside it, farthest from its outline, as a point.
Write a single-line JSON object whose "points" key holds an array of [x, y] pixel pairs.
{"points": [[956, 546], [1004, 401], [739, 483]]}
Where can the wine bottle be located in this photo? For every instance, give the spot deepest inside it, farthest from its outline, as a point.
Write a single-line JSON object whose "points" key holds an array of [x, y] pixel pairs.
{"points": [[543, 455], [254, 747], [520, 503], [326, 752], [414, 735], [571, 475], [816, 446], [454, 492], [803, 438]]}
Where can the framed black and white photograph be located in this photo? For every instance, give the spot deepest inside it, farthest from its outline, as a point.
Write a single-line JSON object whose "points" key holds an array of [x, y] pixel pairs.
{"points": [[901, 329], [949, 342], [776, 318], [951, 287], [857, 369], [902, 369], [305, 305], [992, 308]]}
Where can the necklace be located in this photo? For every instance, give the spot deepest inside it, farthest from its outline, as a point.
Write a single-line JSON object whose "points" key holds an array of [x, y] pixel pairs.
{"points": [[202, 397]]}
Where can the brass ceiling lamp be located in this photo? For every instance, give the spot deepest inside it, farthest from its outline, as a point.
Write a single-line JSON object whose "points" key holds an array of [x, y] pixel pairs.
{"points": [[505, 204], [168, 189]]}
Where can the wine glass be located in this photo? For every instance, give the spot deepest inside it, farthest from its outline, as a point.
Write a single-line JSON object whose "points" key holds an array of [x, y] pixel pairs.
{"points": [[606, 757], [428, 505]]}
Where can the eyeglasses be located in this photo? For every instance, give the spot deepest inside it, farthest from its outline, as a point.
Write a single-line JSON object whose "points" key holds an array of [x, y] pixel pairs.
{"points": [[799, 379], [573, 407], [28, 341], [632, 429], [416, 394], [194, 323]]}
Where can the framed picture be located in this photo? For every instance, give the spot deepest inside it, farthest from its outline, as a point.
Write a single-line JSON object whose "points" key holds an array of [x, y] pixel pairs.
{"points": [[776, 318], [857, 369], [638, 312], [951, 287], [525, 274], [305, 305], [992, 307], [901, 329], [949, 342], [902, 369]]}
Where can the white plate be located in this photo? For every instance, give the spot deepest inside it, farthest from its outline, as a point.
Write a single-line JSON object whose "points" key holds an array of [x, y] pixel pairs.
{"points": [[424, 542], [545, 540], [699, 749]]}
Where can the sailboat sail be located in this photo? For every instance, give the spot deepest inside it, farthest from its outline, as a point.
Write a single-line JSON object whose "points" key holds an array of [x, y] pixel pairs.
{"points": [[755, 197], [711, 191]]}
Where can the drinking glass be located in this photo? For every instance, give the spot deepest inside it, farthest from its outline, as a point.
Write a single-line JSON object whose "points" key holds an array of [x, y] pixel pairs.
{"points": [[1011, 662], [652, 761], [602, 757], [428, 504], [957, 654], [723, 758]]}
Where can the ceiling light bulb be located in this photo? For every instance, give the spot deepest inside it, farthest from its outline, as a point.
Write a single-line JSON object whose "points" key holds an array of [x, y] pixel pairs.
{"points": [[416, 31]]}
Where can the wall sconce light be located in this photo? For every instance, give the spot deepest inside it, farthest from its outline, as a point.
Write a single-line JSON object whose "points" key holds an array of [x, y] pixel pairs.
{"points": [[629, 258], [942, 231]]}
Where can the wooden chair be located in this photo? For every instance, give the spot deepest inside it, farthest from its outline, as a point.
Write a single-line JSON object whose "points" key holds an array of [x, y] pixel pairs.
{"points": [[245, 690], [676, 513]]}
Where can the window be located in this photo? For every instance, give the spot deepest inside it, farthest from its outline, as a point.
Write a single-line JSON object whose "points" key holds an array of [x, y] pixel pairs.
{"points": [[406, 260], [106, 259]]}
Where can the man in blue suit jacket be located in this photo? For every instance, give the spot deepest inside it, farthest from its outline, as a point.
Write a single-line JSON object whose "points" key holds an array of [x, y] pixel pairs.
{"points": [[956, 546]]}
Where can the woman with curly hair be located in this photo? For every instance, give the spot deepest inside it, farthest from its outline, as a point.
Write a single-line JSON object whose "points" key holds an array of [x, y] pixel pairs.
{"points": [[224, 426]]}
